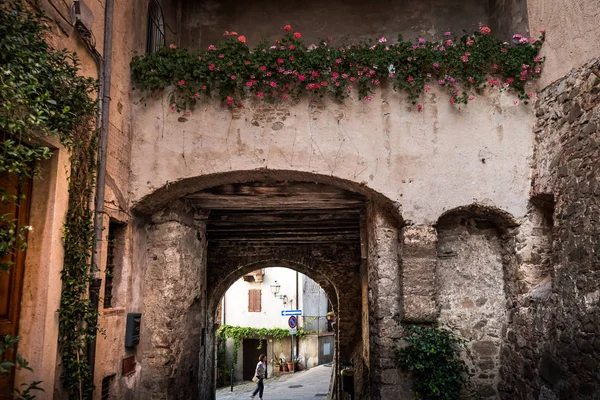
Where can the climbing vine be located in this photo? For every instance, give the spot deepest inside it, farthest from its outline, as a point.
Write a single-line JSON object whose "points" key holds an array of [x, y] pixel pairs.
{"points": [[42, 94], [433, 355], [239, 333], [288, 68]]}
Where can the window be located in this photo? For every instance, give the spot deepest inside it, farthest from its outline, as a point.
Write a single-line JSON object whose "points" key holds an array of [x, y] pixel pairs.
{"points": [[156, 27], [254, 298], [115, 238], [106, 381]]}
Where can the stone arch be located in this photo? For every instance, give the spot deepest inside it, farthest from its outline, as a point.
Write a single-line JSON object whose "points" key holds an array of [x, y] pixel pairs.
{"points": [[219, 291], [189, 264], [172, 191]]}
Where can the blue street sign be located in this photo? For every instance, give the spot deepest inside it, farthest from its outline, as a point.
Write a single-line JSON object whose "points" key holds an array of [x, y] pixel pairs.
{"points": [[287, 313], [293, 322]]}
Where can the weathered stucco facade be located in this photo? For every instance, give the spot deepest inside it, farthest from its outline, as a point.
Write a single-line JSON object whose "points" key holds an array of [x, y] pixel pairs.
{"points": [[485, 216]]}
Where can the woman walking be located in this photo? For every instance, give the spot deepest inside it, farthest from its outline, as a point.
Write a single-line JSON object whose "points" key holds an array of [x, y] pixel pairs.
{"points": [[259, 373]]}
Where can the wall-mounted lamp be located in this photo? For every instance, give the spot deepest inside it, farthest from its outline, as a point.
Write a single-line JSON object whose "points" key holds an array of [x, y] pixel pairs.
{"points": [[275, 290]]}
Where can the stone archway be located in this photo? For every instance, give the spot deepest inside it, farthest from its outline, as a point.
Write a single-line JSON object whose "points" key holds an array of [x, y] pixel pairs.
{"points": [[344, 236], [222, 285]]}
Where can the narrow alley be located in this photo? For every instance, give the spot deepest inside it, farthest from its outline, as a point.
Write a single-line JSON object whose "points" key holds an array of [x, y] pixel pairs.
{"points": [[303, 385]]}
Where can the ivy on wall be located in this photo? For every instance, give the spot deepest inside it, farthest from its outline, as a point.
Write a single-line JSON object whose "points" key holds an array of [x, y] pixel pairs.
{"points": [[433, 356], [42, 94], [288, 68], [239, 333]]}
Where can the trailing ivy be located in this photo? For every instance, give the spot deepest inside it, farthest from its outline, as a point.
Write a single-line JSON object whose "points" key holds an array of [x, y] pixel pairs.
{"points": [[433, 356], [42, 94], [289, 68], [239, 333]]}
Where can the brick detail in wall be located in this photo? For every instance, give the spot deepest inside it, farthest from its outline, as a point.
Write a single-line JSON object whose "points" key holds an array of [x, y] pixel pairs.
{"points": [[419, 259]]}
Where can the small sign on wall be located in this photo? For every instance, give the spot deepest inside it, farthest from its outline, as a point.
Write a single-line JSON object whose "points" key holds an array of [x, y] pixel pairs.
{"points": [[326, 349]]}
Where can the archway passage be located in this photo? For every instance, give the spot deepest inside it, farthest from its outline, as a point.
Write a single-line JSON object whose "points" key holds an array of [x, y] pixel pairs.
{"points": [[314, 229], [201, 243]]}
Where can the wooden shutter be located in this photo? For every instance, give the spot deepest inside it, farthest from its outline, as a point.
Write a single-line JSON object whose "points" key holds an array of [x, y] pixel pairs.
{"points": [[254, 300]]}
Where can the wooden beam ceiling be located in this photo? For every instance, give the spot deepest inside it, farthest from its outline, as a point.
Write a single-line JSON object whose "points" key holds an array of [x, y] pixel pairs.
{"points": [[280, 213]]}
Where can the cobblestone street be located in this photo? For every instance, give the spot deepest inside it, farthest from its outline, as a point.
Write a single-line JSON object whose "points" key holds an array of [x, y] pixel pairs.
{"points": [[311, 384]]}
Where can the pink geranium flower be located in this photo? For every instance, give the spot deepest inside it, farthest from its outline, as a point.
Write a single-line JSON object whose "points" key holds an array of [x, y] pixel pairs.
{"points": [[242, 39], [172, 46], [287, 28], [485, 30], [297, 35], [212, 48]]}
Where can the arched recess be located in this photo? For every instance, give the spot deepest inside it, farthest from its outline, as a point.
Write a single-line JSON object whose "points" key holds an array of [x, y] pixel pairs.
{"points": [[475, 280]]}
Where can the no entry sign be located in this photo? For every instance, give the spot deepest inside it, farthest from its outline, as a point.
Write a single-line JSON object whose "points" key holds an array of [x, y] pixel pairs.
{"points": [[293, 322]]}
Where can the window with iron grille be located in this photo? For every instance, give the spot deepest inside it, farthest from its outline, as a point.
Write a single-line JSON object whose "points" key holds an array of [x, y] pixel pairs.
{"points": [[106, 381], [156, 27], [115, 235], [254, 300]]}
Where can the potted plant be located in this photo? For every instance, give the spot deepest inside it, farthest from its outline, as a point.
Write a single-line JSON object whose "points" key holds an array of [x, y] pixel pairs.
{"points": [[297, 364], [285, 366], [290, 365]]}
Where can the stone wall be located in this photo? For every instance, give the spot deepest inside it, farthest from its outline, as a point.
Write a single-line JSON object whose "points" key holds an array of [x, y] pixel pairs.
{"points": [[554, 330], [174, 306], [471, 292], [385, 309]]}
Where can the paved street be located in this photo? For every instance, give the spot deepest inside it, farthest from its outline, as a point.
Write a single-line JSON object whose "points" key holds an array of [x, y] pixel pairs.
{"points": [[312, 384]]}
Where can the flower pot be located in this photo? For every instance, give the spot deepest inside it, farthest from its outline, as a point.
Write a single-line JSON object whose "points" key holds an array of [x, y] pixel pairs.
{"points": [[285, 368], [290, 366], [278, 368]]}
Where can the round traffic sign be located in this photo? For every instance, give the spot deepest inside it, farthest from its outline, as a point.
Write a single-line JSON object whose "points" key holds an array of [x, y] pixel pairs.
{"points": [[293, 322]]}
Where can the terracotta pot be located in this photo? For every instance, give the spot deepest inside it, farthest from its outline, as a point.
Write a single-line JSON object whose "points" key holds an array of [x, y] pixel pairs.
{"points": [[285, 368], [290, 366]]}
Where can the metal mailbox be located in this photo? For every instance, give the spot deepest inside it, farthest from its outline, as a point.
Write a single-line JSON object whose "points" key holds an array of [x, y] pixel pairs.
{"points": [[132, 329]]}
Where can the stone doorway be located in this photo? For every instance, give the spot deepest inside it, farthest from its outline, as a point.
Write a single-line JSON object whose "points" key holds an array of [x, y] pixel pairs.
{"points": [[204, 241]]}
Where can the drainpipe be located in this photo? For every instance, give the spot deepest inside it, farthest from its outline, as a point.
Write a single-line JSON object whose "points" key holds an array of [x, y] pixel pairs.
{"points": [[105, 83]]}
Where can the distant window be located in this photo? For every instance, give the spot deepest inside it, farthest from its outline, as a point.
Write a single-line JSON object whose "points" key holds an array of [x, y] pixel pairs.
{"points": [[156, 27], [254, 299]]}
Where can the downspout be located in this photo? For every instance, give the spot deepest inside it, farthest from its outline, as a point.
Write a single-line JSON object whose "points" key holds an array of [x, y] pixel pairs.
{"points": [[101, 177], [298, 307]]}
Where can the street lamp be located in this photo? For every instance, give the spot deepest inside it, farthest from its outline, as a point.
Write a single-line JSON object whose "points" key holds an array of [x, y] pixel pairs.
{"points": [[275, 288]]}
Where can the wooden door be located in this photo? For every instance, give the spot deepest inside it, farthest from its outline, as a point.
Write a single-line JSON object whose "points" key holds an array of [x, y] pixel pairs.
{"points": [[11, 281], [251, 353]]}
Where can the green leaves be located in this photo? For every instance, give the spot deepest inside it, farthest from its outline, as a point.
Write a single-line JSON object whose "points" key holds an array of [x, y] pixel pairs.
{"points": [[433, 357], [239, 333], [42, 93], [287, 68]]}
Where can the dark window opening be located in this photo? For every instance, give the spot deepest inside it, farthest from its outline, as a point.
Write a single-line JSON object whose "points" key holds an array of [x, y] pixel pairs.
{"points": [[106, 381], [115, 238], [156, 27]]}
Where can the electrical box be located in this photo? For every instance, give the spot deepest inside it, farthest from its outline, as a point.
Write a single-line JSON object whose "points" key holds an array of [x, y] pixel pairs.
{"points": [[132, 329]]}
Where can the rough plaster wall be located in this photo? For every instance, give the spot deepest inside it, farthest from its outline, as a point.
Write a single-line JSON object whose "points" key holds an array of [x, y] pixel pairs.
{"points": [[471, 296], [554, 340], [572, 34], [385, 310], [203, 22], [448, 156], [173, 316]]}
